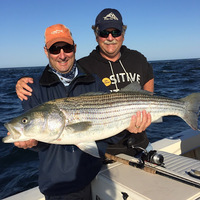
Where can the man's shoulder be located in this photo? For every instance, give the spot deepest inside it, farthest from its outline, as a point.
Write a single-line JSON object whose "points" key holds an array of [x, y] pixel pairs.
{"points": [[125, 49], [85, 62], [132, 54], [91, 57], [35, 83], [91, 62]]}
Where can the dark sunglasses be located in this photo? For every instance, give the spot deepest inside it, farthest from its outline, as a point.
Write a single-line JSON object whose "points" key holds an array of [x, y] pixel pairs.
{"points": [[114, 33], [68, 48]]}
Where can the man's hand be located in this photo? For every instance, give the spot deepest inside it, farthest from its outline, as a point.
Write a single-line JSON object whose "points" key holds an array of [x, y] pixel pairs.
{"points": [[25, 144], [22, 89], [139, 122]]}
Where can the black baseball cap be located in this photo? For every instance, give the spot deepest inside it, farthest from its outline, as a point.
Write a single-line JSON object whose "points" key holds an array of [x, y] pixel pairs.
{"points": [[109, 18]]}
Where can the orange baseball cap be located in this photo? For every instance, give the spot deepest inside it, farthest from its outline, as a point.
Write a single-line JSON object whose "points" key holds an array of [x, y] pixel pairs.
{"points": [[57, 33]]}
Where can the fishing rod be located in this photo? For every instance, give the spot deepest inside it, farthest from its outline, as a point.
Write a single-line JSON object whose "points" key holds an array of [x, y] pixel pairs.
{"points": [[139, 162], [153, 163]]}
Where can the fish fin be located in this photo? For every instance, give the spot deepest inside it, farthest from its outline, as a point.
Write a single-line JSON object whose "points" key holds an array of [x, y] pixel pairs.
{"points": [[192, 110], [159, 120], [135, 87], [80, 126], [90, 148]]}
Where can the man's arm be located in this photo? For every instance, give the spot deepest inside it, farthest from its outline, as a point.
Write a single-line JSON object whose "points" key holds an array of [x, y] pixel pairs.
{"points": [[149, 86], [22, 88]]}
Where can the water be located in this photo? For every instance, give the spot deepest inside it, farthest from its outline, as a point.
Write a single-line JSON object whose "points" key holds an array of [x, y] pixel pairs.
{"points": [[19, 167]]}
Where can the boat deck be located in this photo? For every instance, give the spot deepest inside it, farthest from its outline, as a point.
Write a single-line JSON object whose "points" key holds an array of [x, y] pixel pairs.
{"points": [[180, 167], [117, 180]]}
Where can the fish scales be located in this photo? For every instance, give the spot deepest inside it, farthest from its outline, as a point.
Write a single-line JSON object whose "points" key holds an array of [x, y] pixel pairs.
{"points": [[117, 114], [122, 104], [91, 105], [88, 118]]}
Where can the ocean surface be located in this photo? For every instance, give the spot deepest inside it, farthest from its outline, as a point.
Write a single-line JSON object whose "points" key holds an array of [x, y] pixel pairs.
{"points": [[19, 168]]}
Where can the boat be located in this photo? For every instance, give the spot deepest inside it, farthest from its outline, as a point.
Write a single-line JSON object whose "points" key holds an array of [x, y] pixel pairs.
{"points": [[177, 177]]}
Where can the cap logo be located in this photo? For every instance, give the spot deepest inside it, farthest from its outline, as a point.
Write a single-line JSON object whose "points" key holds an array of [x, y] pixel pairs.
{"points": [[110, 16], [57, 31]]}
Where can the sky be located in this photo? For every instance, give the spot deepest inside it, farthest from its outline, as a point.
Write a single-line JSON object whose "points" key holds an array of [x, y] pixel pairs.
{"points": [[159, 29]]}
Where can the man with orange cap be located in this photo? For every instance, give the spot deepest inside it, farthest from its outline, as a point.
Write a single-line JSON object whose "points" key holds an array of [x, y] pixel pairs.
{"points": [[65, 172]]}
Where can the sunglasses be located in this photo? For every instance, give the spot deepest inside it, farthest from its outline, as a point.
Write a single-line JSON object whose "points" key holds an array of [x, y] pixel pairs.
{"points": [[68, 48], [114, 33]]}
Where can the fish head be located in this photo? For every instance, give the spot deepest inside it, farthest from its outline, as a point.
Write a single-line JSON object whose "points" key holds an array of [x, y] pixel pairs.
{"points": [[43, 123]]}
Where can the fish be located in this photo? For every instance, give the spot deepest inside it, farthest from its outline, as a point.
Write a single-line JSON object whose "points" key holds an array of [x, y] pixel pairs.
{"points": [[85, 119]]}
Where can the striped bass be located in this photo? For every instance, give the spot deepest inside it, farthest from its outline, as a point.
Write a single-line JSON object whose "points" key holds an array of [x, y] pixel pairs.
{"points": [[85, 119]]}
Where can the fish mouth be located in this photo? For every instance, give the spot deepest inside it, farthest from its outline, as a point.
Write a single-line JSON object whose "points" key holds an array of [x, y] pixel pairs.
{"points": [[14, 134]]}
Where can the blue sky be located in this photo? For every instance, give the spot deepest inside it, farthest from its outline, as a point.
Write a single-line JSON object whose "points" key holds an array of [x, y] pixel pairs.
{"points": [[159, 29]]}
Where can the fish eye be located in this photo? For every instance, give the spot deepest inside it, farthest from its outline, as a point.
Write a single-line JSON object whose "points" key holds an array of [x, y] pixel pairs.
{"points": [[25, 120]]}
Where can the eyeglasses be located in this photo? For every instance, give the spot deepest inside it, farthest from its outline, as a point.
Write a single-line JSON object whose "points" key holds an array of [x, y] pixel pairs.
{"points": [[68, 48], [114, 33]]}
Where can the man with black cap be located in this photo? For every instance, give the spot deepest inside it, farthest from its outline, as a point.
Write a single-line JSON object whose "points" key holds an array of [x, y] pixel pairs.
{"points": [[117, 66]]}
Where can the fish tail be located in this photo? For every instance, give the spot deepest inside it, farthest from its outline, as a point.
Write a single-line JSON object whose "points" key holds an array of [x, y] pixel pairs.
{"points": [[192, 109]]}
